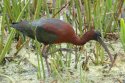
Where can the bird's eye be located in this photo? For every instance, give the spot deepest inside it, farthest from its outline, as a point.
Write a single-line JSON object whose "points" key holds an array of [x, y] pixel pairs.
{"points": [[98, 33]]}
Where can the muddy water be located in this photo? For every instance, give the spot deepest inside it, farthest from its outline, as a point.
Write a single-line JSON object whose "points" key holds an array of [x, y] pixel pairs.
{"points": [[22, 70]]}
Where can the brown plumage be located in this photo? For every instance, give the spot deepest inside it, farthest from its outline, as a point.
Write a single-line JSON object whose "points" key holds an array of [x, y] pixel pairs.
{"points": [[54, 31]]}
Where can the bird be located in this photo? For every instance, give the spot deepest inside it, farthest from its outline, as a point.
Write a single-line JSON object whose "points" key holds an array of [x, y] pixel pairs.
{"points": [[54, 31]]}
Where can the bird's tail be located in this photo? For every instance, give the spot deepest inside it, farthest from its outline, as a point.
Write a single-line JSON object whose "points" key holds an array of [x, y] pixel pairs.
{"points": [[15, 25], [20, 25]]}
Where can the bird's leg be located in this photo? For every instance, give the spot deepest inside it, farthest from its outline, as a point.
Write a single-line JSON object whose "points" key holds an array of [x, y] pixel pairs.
{"points": [[45, 55], [76, 57]]}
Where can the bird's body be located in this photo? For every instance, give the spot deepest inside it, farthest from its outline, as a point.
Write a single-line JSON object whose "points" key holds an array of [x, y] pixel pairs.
{"points": [[54, 31], [51, 31]]}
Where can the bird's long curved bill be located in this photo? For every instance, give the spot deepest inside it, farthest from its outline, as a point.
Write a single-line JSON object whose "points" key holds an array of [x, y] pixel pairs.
{"points": [[106, 49]]}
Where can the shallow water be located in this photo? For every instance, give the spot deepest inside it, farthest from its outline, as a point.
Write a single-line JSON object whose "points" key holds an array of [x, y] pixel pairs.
{"points": [[22, 70]]}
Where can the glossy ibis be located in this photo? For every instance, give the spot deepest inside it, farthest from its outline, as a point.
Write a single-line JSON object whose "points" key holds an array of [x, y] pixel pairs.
{"points": [[54, 31]]}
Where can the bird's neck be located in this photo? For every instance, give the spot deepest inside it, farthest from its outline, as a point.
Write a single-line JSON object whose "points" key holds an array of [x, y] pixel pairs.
{"points": [[81, 41]]}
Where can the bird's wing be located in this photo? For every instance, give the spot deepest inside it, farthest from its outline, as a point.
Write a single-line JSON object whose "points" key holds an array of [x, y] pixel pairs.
{"points": [[45, 36]]}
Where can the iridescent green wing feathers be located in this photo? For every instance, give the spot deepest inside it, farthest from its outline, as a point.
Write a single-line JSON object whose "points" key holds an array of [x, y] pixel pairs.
{"points": [[45, 36], [36, 28]]}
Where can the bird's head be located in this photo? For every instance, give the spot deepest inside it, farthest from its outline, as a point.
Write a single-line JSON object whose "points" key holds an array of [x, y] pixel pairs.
{"points": [[92, 35], [96, 35]]}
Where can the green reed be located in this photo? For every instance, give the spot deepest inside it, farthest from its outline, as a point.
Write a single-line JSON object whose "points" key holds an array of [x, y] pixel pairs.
{"points": [[122, 32], [9, 40]]}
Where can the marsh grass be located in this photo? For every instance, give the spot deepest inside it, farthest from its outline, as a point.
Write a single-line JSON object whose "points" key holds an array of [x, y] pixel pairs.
{"points": [[122, 32]]}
